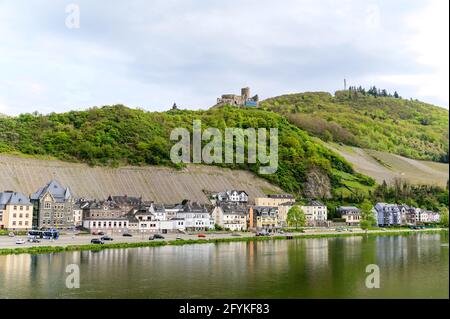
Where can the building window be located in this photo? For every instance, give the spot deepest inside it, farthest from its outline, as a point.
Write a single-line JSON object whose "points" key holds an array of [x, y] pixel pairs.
{"points": [[47, 205]]}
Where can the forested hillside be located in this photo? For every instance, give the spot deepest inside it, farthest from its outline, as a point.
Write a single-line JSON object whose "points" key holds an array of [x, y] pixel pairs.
{"points": [[117, 135], [369, 120]]}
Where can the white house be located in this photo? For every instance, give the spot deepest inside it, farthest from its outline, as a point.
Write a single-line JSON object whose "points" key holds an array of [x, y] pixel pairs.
{"points": [[172, 210], [78, 214], [233, 196], [119, 224], [196, 217], [231, 217], [316, 213], [158, 211], [434, 217]]}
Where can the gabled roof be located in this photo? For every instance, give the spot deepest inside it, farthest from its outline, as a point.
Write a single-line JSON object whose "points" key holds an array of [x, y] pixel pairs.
{"points": [[126, 200], [315, 203], [226, 195], [232, 209], [194, 208], [105, 205], [56, 190], [384, 206], [265, 210], [13, 198]]}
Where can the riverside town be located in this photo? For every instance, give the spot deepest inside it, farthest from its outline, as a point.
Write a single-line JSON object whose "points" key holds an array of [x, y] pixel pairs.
{"points": [[55, 207], [227, 158]]}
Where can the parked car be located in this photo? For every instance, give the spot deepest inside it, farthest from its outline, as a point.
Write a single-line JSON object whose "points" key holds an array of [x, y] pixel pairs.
{"points": [[201, 236], [100, 233], [179, 237], [158, 236], [262, 233], [34, 240], [97, 241], [151, 237], [11, 234], [20, 241], [107, 238], [236, 235], [127, 235]]}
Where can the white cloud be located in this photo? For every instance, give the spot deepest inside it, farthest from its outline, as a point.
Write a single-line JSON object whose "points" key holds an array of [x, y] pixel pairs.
{"points": [[151, 54]]}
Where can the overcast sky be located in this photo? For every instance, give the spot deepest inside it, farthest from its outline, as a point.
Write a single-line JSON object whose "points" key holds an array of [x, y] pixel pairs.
{"points": [[152, 53]]}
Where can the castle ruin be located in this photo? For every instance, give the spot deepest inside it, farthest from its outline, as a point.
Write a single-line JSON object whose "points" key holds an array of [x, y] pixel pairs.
{"points": [[239, 100]]}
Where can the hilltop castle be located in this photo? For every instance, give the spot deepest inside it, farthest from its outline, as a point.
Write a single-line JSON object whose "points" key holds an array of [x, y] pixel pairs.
{"points": [[239, 100]]}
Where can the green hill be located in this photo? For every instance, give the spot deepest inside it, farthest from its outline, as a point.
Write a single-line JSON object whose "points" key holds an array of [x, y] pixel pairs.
{"points": [[405, 127], [117, 136]]}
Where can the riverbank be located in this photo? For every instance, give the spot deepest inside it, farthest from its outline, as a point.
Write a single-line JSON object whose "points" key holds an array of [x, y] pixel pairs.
{"points": [[67, 248]]}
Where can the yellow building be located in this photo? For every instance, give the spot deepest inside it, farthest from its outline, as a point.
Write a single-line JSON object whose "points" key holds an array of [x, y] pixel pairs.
{"points": [[16, 211], [274, 200], [265, 218]]}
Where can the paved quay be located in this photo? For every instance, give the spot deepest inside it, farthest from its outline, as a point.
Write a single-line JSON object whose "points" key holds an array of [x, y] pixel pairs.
{"points": [[73, 239]]}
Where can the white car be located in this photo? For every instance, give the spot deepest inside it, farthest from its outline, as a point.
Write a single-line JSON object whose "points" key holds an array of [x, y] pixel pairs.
{"points": [[20, 241]]}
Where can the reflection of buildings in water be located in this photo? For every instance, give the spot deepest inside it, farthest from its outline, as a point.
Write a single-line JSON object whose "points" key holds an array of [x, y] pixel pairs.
{"points": [[13, 270], [48, 272], [392, 251], [352, 248], [104, 264], [308, 261], [272, 256], [317, 253]]}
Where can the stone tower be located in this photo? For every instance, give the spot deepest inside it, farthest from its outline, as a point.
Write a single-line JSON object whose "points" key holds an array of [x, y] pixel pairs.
{"points": [[245, 93]]}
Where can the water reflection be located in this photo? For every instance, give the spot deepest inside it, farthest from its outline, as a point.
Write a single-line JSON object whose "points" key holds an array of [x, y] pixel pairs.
{"points": [[411, 267]]}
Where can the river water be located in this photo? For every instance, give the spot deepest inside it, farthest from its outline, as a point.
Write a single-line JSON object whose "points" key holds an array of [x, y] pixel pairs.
{"points": [[414, 266]]}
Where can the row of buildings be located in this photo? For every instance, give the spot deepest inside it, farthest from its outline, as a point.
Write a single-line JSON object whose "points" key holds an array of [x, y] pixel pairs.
{"points": [[55, 206], [390, 215]]}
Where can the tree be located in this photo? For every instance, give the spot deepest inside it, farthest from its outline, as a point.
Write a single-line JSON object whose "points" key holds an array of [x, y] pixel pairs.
{"points": [[296, 216], [444, 217], [367, 216]]}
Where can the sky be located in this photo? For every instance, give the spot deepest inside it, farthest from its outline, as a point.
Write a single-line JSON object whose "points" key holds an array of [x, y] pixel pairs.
{"points": [[68, 55]]}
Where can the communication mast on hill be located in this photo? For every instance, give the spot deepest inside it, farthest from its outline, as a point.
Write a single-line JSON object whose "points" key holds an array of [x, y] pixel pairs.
{"points": [[345, 84]]}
